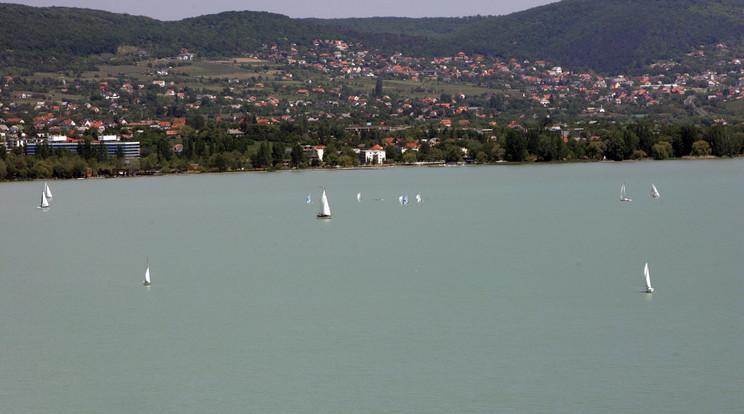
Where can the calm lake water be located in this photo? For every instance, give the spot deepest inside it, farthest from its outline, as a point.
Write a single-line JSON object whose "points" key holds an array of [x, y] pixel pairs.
{"points": [[510, 289]]}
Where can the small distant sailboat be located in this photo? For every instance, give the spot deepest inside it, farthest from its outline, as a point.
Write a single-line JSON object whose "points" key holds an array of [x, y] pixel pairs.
{"points": [[325, 210], [622, 194], [307, 200], [359, 197], [47, 191], [146, 282], [403, 199], [418, 198], [649, 289], [44, 201], [654, 192]]}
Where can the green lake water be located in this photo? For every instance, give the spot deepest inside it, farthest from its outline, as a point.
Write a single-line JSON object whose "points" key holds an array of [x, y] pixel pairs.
{"points": [[509, 289]]}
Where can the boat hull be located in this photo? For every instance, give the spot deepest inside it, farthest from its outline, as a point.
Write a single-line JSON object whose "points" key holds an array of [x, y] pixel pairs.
{"points": [[324, 216]]}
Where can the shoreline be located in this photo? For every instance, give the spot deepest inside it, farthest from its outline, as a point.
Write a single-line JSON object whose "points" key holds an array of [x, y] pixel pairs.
{"points": [[377, 167]]}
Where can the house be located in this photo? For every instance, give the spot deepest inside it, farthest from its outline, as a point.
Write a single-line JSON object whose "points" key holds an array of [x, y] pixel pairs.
{"points": [[374, 155], [314, 151], [318, 151]]}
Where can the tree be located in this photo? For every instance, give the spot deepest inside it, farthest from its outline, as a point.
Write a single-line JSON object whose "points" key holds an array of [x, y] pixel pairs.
{"points": [[263, 156], [596, 150], [688, 134], [481, 157], [453, 154], [378, 87], [297, 156], [662, 150], [721, 140], [391, 154], [515, 146], [645, 135], [700, 148], [409, 157], [219, 161], [550, 148], [277, 153], [345, 160], [632, 142], [615, 147], [41, 169]]}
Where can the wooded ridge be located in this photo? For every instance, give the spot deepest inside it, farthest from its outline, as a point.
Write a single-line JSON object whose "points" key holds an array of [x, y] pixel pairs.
{"points": [[598, 35]]}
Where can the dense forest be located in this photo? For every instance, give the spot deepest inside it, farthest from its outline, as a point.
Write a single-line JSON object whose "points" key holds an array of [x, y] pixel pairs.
{"points": [[601, 35]]}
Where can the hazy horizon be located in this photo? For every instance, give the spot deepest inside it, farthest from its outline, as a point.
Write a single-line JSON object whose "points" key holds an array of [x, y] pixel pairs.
{"points": [[168, 10]]}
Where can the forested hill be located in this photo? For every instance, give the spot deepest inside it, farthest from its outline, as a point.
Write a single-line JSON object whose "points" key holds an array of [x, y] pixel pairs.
{"points": [[30, 34], [607, 35], [603, 35]]}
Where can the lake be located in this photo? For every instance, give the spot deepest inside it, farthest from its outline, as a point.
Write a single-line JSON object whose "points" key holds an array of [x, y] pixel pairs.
{"points": [[510, 288]]}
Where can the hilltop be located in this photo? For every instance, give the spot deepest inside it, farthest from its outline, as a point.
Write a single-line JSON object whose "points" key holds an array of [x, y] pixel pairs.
{"points": [[600, 35]]}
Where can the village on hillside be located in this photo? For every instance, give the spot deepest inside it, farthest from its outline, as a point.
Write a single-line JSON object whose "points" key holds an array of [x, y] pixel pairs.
{"points": [[334, 81]]}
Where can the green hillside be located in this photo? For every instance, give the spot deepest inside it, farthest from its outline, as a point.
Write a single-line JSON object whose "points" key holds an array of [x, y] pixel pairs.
{"points": [[601, 35], [606, 35], [36, 34]]}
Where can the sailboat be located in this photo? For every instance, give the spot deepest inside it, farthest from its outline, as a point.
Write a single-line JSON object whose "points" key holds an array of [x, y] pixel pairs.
{"points": [[649, 289], [403, 199], [146, 282], [418, 198], [325, 210], [622, 194], [44, 201], [359, 197], [47, 191], [654, 192], [307, 200]]}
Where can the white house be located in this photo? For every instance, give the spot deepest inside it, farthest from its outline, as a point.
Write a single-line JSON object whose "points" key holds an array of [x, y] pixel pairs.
{"points": [[374, 155]]}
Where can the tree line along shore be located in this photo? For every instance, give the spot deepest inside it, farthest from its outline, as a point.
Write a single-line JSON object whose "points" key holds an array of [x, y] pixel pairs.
{"points": [[214, 147]]}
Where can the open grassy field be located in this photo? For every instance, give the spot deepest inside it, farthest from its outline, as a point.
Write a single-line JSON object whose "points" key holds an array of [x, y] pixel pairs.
{"points": [[257, 77]]}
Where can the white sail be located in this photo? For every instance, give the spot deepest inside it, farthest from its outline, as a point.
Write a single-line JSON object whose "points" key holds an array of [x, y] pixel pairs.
{"points": [[359, 197], [622, 194], [418, 198], [146, 282], [400, 199], [325, 209], [654, 192], [44, 201], [47, 191], [646, 274]]}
